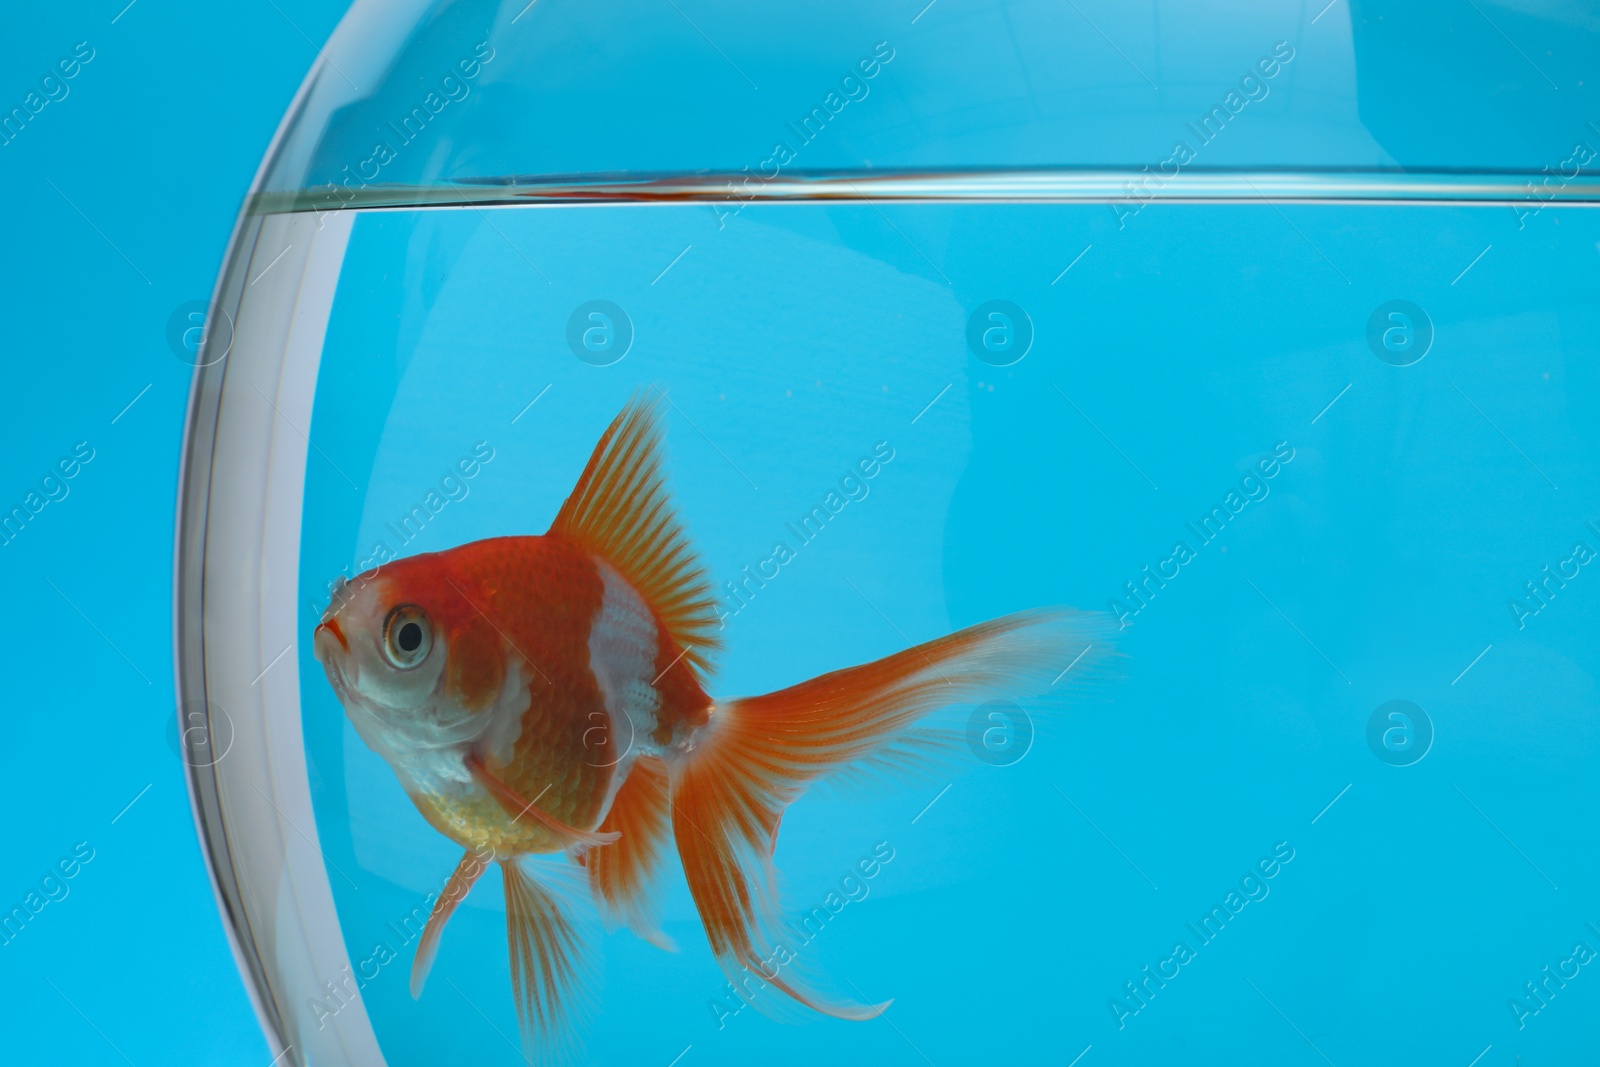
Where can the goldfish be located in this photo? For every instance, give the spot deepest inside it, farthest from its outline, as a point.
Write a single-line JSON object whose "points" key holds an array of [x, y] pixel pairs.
{"points": [[548, 694]]}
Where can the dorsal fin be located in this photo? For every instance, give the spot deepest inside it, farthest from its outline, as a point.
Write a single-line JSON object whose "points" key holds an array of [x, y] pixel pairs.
{"points": [[620, 511]]}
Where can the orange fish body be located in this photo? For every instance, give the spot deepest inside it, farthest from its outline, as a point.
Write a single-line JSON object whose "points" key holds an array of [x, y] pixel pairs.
{"points": [[545, 694], [542, 625]]}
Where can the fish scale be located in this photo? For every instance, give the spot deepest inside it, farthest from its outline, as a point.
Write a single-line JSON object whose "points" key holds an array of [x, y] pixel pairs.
{"points": [[542, 595]]}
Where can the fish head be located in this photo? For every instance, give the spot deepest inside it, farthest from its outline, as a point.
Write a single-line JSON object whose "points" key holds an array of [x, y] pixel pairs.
{"points": [[414, 664]]}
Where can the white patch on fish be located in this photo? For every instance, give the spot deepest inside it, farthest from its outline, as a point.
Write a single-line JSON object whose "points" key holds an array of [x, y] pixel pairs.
{"points": [[624, 643], [428, 746]]}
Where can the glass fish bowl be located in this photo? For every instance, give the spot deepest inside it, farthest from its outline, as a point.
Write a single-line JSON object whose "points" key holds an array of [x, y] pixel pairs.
{"points": [[932, 533]]}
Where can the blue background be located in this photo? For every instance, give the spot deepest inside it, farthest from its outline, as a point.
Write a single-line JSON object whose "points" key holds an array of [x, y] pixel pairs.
{"points": [[122, 197], [155, 145]]}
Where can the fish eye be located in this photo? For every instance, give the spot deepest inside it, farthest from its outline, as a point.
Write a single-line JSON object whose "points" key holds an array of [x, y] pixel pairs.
{"points": [[407, 636]]}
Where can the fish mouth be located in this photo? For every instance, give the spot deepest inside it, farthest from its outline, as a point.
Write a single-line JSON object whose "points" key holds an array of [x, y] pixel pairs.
{"points": [[337, 682], [327, 653], [332, 626]]}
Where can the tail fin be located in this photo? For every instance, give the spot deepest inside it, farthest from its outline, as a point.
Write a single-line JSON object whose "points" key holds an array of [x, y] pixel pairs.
{"points": [[730, 792]]}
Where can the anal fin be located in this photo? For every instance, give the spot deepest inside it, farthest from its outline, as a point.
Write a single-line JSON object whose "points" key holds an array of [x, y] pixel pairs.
{"points": [[547, 963], [621, 875]]}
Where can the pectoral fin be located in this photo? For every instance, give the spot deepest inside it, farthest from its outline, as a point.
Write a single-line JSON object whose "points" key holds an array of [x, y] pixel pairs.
{"points": [[520, 807], [455, 891]]}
